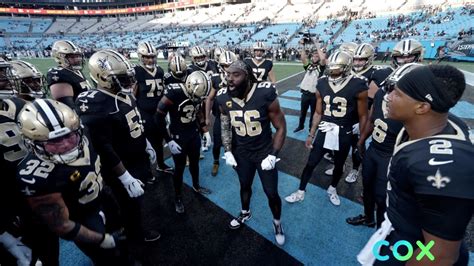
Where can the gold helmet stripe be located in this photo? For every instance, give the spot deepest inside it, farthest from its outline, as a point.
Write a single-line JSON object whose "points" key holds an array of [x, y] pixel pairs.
{"points": [[49, 114]]}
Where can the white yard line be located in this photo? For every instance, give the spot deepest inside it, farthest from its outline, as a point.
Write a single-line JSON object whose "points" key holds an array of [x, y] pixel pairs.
{"points": [[469, 77], [289, 77]]}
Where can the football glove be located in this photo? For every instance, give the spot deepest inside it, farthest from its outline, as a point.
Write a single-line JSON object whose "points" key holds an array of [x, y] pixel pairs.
{"points": [[133, 186], [174, 147], [112, 240], [18, 250], [229, 159], [269, 162]]}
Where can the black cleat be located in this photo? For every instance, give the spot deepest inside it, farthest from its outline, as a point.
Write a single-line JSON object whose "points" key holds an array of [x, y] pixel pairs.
{"points": [[361, 220], [165, 169], [298, 129], [179, 206], [202, 190], [237, 222], [151, 236]]}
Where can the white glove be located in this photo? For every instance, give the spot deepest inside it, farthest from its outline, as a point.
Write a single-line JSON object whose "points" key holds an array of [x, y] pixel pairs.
{"points": [[229, 159], [151, 152], [174, 147], [208, 140], [269, 162], [21, 252], [355, 129], [132, 185], [108, 242]]}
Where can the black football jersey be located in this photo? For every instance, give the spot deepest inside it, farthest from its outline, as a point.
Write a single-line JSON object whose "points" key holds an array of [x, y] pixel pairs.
{"points": [[340, 100], [385, 130], [150, 88], [261, 70], [218, 82], [249, 117], [183, 113], [439, 165], [113, 119], [377, 74], [170, 79], [74, 78], [12, 151], [79, 182], [210, 67]]}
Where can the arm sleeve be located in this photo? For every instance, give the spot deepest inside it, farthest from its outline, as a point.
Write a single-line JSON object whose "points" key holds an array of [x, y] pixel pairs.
{"points": [[445, 217]]}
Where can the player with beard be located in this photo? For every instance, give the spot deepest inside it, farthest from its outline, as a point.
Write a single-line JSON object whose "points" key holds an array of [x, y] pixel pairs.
{"points": [[66, 81], [340, 96], [149, 91], [262, 68], [218, 81], [430, 188], [249, 107]]}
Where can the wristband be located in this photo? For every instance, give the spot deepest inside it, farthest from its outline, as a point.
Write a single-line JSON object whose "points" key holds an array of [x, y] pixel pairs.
{"points": [[73, 233]]}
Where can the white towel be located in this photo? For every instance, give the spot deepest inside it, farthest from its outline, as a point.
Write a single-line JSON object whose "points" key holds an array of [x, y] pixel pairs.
{"points": [[331, 141], [366, 255]]}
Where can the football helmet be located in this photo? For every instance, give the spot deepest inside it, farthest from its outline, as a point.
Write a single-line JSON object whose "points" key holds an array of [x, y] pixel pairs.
{"points": [[146, 49], [339, 66], [6, 80], [259, 46], [51, 130], [112, 71], [197, 86], [29, 81], [217, 53], [406, 51], [365, 52], [227, 58], [348, 47], [65, 53], [178, 67], [198, 55]]}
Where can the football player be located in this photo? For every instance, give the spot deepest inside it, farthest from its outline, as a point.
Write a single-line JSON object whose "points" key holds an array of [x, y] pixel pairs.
{"points": [[248, 108], [66, 81], [363, 57], [12, 151], [218, 81], [430, 188], [375, 160], [61, 179], [217, 53], [201, 62], [149, 92], [111, 116], [262, 68], [29, 82], [339, 97], [183, 103], [178, 71]]}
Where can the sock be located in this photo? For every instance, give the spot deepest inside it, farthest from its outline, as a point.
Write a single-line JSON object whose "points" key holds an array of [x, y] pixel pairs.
{"points": [[300, 191], [276, 222], [216, 161], [245, 212]]}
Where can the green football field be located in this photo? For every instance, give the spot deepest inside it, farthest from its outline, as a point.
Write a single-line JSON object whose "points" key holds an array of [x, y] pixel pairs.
{"points": [[282, 70]]}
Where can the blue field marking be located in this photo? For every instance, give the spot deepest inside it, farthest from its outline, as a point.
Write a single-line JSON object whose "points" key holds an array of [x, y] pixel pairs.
{"points": [[70, 254], [463, 109], [292, 122], [316, 231], [290, 104], [292, 93]]}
